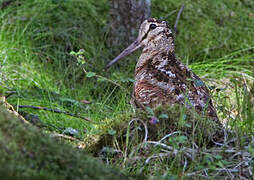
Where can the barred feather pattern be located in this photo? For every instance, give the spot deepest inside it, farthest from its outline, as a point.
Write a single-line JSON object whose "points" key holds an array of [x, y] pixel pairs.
{"points": [[162, 79]]}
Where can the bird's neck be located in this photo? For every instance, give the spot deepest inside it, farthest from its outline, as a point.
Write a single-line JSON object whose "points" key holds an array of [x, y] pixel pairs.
{"points": [[158, 52]]}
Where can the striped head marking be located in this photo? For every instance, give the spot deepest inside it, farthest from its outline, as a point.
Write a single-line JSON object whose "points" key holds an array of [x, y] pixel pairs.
{"points": [[150, 30]]}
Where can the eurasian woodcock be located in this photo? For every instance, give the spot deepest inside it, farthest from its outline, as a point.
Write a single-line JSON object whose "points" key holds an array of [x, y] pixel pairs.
{"points": [[160, 78]]}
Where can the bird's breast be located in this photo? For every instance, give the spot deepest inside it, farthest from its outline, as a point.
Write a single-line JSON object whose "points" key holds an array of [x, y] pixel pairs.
{"points": [[162, 79]]}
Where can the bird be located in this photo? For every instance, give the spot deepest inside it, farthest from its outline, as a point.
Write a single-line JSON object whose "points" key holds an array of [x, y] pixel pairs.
{"points": [[160, 77]]}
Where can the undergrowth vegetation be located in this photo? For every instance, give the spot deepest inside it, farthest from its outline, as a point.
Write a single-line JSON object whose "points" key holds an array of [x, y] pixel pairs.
{"points": [[52, 54], [26, 153]]}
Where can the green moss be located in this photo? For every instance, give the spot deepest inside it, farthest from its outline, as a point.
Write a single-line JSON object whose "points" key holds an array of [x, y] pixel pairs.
{"points": [[209, 28], [28, 153], [106, 133]]}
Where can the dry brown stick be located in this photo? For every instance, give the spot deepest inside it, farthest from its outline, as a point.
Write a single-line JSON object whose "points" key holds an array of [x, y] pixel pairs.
{"points": [[178, 17], [57, 135], [9, 93], [56, 111]]}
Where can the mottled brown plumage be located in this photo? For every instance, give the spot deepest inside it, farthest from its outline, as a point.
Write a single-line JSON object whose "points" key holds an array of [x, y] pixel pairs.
{"points": [[160, 78]]}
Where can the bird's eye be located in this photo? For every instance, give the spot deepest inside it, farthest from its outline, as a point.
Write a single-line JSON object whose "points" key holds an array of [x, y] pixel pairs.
{"points": [[153, 26]]}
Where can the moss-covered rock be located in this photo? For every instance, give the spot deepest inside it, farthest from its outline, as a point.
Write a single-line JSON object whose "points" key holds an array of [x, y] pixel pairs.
{"points": [[28, 153]]}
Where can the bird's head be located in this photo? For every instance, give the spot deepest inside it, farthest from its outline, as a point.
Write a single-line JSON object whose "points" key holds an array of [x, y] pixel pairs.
{"points": [[150, 31]]}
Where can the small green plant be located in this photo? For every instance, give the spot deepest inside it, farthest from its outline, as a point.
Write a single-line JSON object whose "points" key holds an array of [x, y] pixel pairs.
{"points": [[81, 61]]}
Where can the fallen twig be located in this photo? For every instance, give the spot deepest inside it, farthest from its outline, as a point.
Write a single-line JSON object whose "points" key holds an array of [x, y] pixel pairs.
{"points": [[9, 93], [168, 135], [169, 14], [56, 111], [56, 135], [178, 17], [231, 154], [160, 155], [145, 126]]}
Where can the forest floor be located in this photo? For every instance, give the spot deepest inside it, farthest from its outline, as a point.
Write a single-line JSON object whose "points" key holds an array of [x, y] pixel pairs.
{"points": [[52, 55]]}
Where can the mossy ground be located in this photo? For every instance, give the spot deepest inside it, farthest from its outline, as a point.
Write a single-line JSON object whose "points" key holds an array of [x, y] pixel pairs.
{"points": [[27, 153], [36, 68]]}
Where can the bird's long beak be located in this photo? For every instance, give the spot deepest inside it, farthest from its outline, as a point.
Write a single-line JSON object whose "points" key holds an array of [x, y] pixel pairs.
{"points": [[134, 46]]}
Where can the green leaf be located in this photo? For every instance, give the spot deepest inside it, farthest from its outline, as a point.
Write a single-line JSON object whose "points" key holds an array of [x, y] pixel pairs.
{"points": [[218, 157], [220, 164], [90, 74], [251, 150], [212, 167], [199, 167], [182, 139], [111, 132], [68, 100], [163, 116], [188, 125], [131, 80], [150, 110], [226, 162], [73, 53], [101, 79]]}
